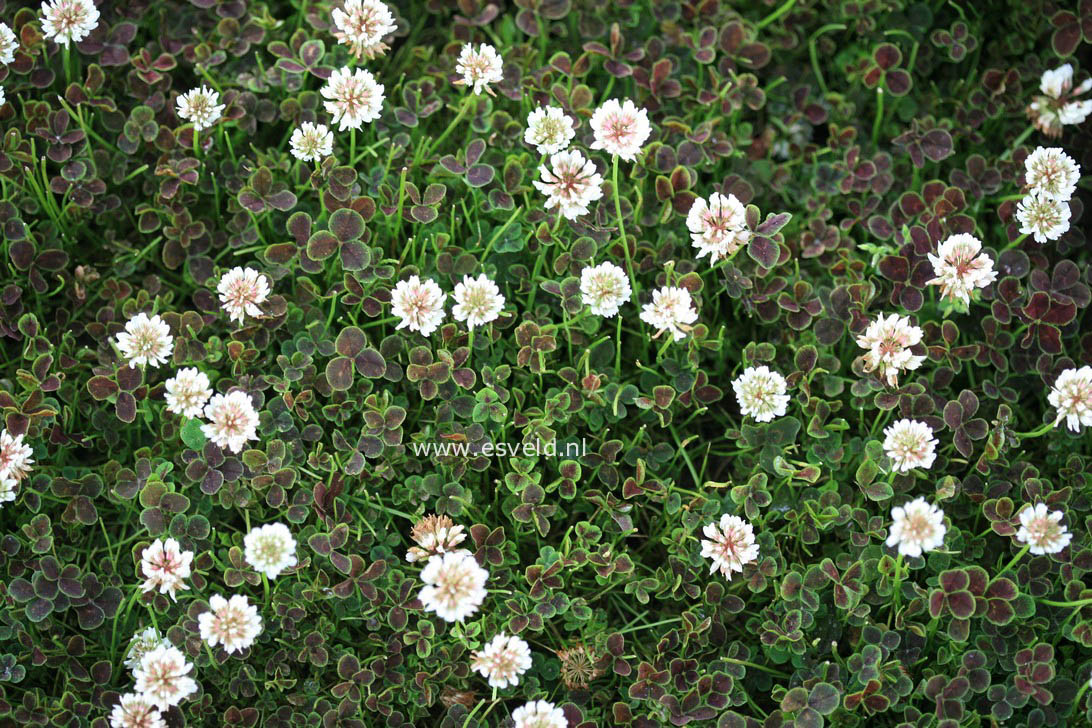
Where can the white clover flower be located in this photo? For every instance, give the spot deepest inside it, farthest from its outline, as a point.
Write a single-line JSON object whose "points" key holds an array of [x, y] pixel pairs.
{"points": [[311, 142], [539, 714], [918, 527], [187, 392], [1042, 530], [270, 549], [477, 301], [1075, 112], [3, 97], [960, 267], [502, 660], [671, 309], [232, 420], [570, 183], [165, 567], [1043, 217], [604, 288], [888, 341], [241, 291], [479, 67], [1051, 172], [1056, 82], [15, 456], [1058, 105], [9, 489], [910, 444], [549, 130], [8, 45], [420, 304], [620, 129], [760, 392], [146, 340], [68, 21], [363, 24], [1071, 395], [718, 228], [136, 711], [162, 677], [454, 585], [233, 623], [434, 535], [353, 97], [141, 644], [201, 107], [730, 544]]}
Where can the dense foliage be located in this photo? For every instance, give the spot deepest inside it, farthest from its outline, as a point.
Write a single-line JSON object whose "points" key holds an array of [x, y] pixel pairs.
{"points": [[855, 137]]}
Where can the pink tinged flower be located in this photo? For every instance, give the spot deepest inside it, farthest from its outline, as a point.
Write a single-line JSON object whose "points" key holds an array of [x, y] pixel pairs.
{"points": [[201, 107], [15, 456], [419, 304], [960, 267], [1071, 395], [888, 341], [165, 567], [362, 25], [479, 67], [570, 183], [918, 527], [8, 44], [434, 535], [718, 228], [502, 660], [549, 130], [1042, 530], [311, 142], [671, 309], [761, 393], [242, 291], [730, 544], [270, 549], [187, 392], [454, 585], [163, 677], [604, 288], [620, 129], [477, 301], [1058, 105], [1051, 172], [910, 444], [68, 21], [539, 714], [352, 97], [232, 420], [145, 340], [233, 623], [136, 711], [1043, 217]]}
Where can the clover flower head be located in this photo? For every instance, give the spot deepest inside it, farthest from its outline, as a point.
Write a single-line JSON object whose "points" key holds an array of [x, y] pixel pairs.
{"points": [[918, 527], [730, 544]]}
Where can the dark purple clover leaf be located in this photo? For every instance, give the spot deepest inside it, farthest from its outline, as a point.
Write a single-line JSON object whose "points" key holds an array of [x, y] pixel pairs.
{"points": [[262, 194]]}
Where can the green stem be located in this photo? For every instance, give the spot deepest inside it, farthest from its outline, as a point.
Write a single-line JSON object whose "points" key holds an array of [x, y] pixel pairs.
{"points": [[1038, 432], [814, 53], [785, 7], [622, 228], [1019, 140], [462, 112], [879, 117], [1019, 555], [1014, 243], [1078, 603], [898, 581]]}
